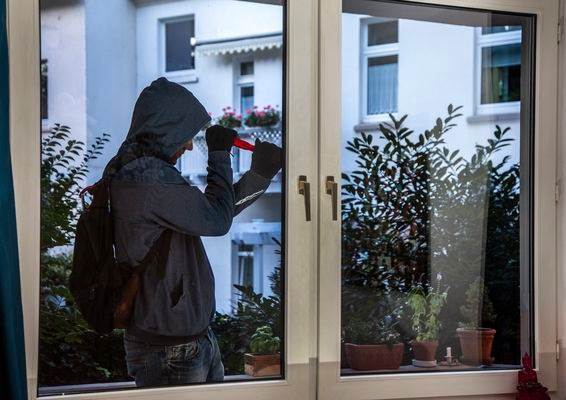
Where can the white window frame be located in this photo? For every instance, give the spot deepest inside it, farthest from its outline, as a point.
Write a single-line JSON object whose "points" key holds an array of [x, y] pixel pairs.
{"points": [[484, 385], [491, 40], [367, 52], [181, 76], [300, 261]]}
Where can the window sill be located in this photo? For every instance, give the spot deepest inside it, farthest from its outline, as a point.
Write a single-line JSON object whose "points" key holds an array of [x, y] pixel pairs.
{"points": [[129, 385], [493, 117], [186, 76]]}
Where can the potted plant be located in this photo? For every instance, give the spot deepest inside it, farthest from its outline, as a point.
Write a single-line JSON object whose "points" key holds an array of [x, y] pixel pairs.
{"points": [[229, 118], [476, 342], [372, 345], [425, 305], [264, 359], [267, 117]]}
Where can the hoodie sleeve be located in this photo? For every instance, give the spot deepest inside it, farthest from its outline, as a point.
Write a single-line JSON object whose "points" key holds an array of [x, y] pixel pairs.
{"points": [[248, 189], [185, 209]]}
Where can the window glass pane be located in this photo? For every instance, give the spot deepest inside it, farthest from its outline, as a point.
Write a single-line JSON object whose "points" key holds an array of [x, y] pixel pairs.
{"points": [[178, 47], [247, 68], [435, 249], [501, 73], [382, 33], [224, 271], [44, 96], [247, 98], [382, 85], [499, 29]]}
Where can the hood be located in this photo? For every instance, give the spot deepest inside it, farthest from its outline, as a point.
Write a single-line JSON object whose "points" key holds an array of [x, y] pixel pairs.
{"points": [[165, 117]]}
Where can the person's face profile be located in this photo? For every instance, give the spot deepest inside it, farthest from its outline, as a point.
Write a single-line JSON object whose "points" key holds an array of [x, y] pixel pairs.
{"points": [[187, 146]]}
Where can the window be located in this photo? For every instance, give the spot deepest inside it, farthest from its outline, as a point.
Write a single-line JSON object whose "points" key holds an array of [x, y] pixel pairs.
{"points": [[498, 69], [380, 63], [246, 97], [179, 45], [44, 91], [244, 89], [245, 265]]}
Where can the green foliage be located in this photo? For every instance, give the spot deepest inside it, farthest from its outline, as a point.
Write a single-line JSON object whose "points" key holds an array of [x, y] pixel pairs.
{"points": [[363, 331], [263, 341], [66, 343], [64, 166], [408, 187], [426, 304], [478, 307]]}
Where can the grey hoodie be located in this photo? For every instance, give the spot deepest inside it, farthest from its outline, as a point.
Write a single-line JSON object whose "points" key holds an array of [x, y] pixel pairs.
{"points": [[149, 195]]}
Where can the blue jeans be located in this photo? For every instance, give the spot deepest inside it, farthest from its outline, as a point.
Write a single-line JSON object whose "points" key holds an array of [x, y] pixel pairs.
{"points": [[192, 362]]}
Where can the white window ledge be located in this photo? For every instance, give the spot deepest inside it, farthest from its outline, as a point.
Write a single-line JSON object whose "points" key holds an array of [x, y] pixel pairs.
{"points": [[185, 76], [493, 117]]}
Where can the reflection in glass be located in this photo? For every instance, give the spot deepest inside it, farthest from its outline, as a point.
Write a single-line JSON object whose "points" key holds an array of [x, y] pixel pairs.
{"points": [[434, 255], [94, 81]]}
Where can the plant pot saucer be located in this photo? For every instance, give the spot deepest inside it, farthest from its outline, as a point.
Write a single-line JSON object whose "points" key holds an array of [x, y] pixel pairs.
{"points": [[424, 364]]}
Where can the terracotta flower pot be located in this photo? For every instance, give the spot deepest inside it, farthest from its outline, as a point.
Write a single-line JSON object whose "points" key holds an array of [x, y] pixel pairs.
{"points": [[425, 350], [262, 364], [476, 345], [374, 356]]}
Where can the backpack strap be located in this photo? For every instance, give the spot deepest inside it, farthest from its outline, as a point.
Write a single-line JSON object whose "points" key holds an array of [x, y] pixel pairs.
{"points": [[125, 305]]}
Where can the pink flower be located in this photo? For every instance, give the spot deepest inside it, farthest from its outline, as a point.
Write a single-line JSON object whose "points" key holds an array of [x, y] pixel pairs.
{"points": [[248, 111]]}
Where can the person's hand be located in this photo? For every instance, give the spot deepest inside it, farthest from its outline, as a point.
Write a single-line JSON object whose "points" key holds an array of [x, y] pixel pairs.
{"points": [[267, 159], [220, 138]]}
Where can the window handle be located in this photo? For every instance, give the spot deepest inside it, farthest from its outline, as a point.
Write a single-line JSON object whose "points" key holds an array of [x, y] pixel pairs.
{"points": [[332, 190], [305, 190]]}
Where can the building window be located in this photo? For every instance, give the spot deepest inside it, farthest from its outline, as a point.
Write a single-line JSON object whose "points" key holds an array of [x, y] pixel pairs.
{"points": [[246, 98], [244, 89], [498, 69], [247, 68], [380, 61], [245, 265], [44, 97], [179, 45]]}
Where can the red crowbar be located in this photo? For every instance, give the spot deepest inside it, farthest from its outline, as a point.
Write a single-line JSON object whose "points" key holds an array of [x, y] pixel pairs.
{"points": [[242, 144]]}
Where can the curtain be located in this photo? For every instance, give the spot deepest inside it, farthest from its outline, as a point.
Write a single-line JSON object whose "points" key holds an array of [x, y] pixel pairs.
{"points": [[12, 354], [382, 85]]}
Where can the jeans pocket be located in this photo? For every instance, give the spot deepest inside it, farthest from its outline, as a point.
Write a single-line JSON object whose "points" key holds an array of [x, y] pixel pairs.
{"points": [[183, 352]]}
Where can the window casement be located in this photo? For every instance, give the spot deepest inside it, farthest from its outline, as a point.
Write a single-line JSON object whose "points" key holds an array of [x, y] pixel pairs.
{"points": [[178, 49], [380, 68], [498, 70]]}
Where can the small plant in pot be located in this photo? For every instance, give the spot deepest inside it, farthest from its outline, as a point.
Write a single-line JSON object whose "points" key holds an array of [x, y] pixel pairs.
{"points": [[425, 305], [476, 341], [264, 359], [373, 345]]}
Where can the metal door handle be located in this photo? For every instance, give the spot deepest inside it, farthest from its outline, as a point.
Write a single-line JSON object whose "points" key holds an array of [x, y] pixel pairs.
{"points": [[305, 190], [332, 190]]}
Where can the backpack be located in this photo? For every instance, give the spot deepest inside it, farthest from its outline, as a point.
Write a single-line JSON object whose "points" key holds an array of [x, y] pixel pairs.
{"points": [[103, 289]]}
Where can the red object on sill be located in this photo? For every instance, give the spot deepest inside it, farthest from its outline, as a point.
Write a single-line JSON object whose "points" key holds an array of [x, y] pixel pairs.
{"points": [[242, 144], [529, 388]]}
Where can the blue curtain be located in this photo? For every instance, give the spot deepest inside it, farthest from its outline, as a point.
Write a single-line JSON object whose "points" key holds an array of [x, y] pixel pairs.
{"points": [[12, 354]]}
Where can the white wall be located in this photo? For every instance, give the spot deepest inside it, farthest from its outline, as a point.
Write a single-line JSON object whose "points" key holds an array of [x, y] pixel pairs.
{"points": [[63, 45], [436, 68], [111, 74]]}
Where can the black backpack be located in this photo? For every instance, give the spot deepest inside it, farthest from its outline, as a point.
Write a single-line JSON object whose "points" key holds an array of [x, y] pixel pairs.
{"points": [[99, 284]]}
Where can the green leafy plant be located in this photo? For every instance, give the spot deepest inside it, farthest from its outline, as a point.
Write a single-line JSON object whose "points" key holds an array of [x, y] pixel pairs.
{"points": [[408, 187], [64, 166], [361, 331], [426, 304], [264, 342], [66, 343], [478, 308]]}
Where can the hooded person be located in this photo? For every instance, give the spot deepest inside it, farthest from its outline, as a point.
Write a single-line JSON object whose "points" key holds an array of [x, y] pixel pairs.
{"points": [[168, 339]]}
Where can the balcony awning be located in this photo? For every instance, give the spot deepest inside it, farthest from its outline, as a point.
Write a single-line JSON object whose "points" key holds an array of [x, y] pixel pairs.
{"points": [[240, 45]]}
